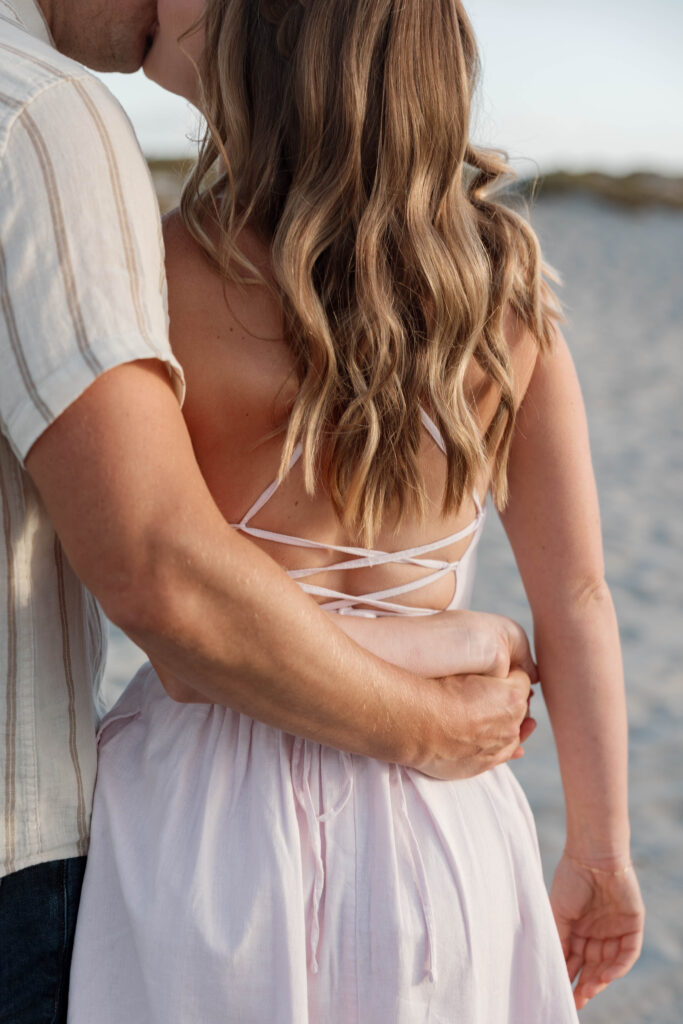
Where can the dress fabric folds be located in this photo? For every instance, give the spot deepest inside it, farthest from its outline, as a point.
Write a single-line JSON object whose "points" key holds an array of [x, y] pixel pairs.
{"points": [[239, 874]]}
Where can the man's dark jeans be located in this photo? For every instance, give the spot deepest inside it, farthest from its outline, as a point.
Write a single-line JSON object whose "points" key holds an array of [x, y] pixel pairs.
{"points": [[37, 921]]}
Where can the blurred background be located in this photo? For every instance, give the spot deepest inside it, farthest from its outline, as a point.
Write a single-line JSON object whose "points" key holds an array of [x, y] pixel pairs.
{"points": [[589, 97]]}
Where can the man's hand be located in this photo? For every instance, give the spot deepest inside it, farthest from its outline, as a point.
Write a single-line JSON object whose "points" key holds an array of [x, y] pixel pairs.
{"points": [[484, 669], [485, 719]]}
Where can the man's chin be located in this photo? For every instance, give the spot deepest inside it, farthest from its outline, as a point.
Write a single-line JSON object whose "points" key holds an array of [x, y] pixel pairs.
{"points": [[128, 56], [123, 63], [129, 63]]}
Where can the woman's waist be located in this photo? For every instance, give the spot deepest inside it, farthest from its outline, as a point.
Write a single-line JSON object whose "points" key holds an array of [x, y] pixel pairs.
{"points": [[146, 726]]}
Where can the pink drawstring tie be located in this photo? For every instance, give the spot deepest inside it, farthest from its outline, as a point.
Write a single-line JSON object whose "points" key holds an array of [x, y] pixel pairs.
{"points": [[304, 756], [302, 765], [420, 878], [368, 604]]}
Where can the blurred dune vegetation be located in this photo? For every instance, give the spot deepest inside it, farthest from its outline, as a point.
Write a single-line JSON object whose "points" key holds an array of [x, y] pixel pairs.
{"points": [[639, 189], [168, 177]]}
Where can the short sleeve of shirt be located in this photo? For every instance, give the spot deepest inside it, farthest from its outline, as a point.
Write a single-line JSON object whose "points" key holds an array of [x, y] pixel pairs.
{"points": [[82, 283]]}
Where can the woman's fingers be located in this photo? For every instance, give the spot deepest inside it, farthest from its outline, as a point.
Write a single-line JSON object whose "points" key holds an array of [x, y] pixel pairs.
{"points": [[583, 994], [598, 963], [526, 729], [576, 957], [574, 964], [589, 984], [599, 920], [617, 970], [623, 958], [610, 950]]}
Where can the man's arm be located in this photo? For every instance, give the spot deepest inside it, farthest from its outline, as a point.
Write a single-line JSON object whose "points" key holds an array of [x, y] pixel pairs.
{"points": [[119, 479]]}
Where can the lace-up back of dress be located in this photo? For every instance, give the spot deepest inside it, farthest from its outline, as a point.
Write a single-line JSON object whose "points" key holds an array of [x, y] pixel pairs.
{"points": [[379, 602]]}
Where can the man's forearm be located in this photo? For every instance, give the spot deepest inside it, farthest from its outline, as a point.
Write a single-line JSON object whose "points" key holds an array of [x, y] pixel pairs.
{"points": [[236, 630], [264, 648], [119, 479]]}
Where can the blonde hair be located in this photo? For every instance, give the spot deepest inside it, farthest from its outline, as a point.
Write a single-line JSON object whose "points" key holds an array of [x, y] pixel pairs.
{"points": [[339, 130]]}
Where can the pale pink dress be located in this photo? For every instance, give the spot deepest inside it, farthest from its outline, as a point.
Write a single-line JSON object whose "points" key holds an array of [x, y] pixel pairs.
{"points": [[239, 874]]}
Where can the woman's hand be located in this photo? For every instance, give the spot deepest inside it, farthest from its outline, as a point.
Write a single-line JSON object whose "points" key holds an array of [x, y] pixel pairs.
{"points": [[599, 914]]}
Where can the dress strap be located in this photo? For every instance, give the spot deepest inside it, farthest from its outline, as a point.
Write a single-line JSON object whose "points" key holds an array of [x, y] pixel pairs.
{"points": [[379, 602], [362, 558], [437, 436], [378, 599], [265, 497], [432, 429]]}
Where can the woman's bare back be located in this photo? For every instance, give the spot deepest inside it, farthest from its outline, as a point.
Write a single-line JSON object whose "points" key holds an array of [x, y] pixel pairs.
{"points": [[240, 385]]}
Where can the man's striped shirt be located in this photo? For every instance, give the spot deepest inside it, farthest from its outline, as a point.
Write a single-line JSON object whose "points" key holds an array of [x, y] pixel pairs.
{"points": [[82, 290]]}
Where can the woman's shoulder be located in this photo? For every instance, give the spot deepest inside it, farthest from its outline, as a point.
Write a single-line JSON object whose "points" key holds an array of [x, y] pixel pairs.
{"points": [[192, 277], [523, 350], [184, 252], [184, 255], [206, 305], [227, 336]]}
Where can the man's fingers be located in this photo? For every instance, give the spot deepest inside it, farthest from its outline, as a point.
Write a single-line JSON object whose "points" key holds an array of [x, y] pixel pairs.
{"points": [[520, 652], [521, 681], [529, 666], [527, 727]]}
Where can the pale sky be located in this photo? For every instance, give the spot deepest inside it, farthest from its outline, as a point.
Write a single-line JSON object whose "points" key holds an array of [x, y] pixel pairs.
{"points": [[586, 85]]}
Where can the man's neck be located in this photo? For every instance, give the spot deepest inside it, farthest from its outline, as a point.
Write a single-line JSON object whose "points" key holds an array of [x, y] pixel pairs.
{"points": [[45, 7], [35, 16]]}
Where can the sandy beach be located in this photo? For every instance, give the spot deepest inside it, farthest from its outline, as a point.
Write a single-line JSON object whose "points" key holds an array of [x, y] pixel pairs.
{"points": [[624, 301]]}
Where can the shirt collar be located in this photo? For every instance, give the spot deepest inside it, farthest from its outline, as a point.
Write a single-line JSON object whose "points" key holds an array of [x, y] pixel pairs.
{"points": [[30, 16]]}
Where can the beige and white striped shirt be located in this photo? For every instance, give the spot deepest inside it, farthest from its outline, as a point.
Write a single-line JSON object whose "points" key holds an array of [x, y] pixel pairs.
{"points": [[82, 289]]}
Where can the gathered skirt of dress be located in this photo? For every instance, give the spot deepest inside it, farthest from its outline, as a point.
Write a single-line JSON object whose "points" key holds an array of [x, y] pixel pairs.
{"points": [[239, 874]]}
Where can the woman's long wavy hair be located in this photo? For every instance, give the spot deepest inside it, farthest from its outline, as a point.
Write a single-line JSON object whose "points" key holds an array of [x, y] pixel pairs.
{"points": [[339, 130]]}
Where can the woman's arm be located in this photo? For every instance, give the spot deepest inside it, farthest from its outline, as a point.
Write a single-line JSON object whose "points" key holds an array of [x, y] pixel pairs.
{"points": [[553, 524], [447, 643]]}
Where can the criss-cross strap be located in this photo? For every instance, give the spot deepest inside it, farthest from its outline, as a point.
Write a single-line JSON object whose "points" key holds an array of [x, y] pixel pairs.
{"points": [[270, 490], [379, 598], [435, 434], [363, 558], [432, 429]]}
